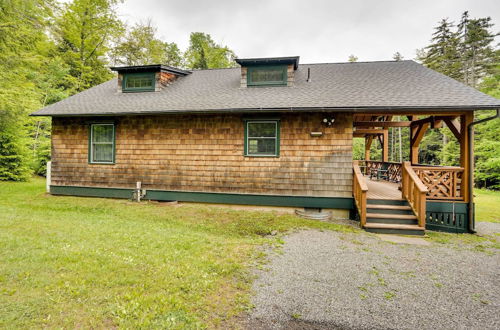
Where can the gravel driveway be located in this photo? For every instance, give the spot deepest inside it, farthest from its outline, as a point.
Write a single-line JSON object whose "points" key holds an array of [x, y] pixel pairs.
{"points": [[330, 280]]}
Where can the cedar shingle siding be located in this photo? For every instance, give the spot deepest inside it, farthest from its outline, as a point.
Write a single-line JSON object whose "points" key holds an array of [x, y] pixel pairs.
{"points": [[205, 153]]}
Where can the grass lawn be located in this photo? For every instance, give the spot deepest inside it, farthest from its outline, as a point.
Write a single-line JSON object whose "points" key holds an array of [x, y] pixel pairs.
{"points": [[487, 205], [100, 263]]}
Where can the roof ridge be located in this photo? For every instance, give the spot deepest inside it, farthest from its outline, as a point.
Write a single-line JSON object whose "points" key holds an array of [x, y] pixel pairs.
{"points": [[321, 63], [234, 67], [381, 61]]}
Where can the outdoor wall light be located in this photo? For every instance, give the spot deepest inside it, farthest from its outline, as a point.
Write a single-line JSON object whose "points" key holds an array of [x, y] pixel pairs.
{"points": [[328, 121]]}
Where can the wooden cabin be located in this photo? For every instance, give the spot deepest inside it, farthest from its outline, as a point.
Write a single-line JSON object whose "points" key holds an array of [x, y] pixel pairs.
{"points": [[271, 132]]}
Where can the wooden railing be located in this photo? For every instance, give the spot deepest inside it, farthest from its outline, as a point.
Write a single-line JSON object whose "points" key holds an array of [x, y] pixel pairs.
{"points": [[414, 191], [359, 190], [394, 169], [442, 182]]}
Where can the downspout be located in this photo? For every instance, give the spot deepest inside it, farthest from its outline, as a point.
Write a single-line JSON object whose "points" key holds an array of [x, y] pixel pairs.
{"points": [[470, 141]]}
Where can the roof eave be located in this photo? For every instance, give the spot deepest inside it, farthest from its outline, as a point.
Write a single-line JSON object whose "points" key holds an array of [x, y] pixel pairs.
{"points": [[284, 109], [269, 60], [150, 68]]}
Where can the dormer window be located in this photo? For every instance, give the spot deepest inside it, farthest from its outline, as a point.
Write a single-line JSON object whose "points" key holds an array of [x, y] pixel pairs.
{"points": [[269, 71], [267, 75], [139, 82]]}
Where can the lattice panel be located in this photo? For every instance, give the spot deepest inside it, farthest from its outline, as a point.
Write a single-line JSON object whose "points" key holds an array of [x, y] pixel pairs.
{"points": [[441, 184]]}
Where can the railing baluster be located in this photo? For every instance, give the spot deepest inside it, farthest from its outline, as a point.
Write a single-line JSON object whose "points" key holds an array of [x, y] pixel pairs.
{"points": [[359, 192], [414, 191]]}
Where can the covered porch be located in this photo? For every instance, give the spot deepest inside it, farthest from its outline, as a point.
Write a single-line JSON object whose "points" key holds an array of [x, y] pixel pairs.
{"points": [[390, 195]]}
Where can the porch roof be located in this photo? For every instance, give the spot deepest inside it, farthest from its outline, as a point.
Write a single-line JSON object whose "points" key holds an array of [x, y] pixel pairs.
{"points": [[363, 86]]}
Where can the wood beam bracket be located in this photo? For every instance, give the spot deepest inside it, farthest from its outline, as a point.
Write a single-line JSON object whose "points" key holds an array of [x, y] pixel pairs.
{"points": [[454, 127], [419, 134]]}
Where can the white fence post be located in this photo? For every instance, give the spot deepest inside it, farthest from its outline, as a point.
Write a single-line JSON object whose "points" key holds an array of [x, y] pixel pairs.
{"points": [[49, 165]]}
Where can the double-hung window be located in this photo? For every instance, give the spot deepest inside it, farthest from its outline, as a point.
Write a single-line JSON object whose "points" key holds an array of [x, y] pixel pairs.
{"points": [[102, 144], [139, 82], [267, 75], [262, 138]]}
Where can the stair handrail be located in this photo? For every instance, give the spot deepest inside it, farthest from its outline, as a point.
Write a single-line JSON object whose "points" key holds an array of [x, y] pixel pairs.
{"points": [[359, 190], [415, 192]]}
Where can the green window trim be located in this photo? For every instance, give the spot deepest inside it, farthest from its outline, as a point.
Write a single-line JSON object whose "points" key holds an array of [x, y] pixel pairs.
{"points": [[127, 77], [281, 82], [247, 152], [92, 143]]}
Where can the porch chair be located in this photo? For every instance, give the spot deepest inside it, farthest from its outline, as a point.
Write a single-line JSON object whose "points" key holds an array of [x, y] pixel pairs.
{"points": [[380, 173]]}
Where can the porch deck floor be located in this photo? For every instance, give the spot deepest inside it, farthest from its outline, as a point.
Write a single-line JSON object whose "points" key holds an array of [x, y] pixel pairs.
{"points": [[382, 189]]}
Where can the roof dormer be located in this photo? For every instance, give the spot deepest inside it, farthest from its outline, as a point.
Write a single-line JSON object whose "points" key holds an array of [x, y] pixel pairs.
{"points": [[146, 78], [269, 71]]}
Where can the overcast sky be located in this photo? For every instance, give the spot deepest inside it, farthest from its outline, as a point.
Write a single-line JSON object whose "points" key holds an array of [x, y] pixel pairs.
{"points": [[316, 30]]}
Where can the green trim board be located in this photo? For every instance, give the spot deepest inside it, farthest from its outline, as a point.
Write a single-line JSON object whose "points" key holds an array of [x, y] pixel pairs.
{"points": [[447, 216], [91, 191], [282, 69], [205, 197], [145, 76], [246, 122]]}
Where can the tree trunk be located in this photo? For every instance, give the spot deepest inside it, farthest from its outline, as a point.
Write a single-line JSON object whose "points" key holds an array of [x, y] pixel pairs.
{"points": [[35, 143]]}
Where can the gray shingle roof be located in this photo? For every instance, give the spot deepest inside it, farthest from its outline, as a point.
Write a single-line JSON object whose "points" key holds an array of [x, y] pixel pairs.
{"points": [[342, 86]]}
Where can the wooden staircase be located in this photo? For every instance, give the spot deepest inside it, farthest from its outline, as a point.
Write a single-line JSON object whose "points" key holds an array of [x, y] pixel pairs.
{"points": [[391, 216], [404, 216]]}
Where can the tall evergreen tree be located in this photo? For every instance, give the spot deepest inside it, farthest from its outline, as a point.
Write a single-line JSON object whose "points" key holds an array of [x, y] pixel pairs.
{"points": [[476, 48], [468, 54], [397, 56], [443, 54]]}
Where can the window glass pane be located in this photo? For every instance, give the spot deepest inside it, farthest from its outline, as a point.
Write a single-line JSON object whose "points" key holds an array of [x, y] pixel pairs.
{"points": [[132, 82], [267, 75], [102, 133], [262, 146], [102, 153], [262, 129]]}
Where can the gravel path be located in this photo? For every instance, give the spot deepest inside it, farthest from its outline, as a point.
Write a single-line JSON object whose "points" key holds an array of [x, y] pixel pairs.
{"points": [[330, 280], [487, 228]]}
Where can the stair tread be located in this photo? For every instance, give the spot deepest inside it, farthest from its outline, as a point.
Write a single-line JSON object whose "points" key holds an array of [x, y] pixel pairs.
{"points": [[391, 216], [392, 226], [388, 207]]}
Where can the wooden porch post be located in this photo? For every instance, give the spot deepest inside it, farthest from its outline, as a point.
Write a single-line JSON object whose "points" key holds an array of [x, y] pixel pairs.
{"points": [[368, 144], [416, 136], [385, 146], [465, 120]]}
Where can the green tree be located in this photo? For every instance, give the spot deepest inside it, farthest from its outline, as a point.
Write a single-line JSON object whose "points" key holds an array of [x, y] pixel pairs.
{"points": [[466, 53], [25, 53], [84, 31], [476, 48], [397, 56], [141, 46], [204, 53], [487, 145], [443, 54], [13, 155], [352, 58]]}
